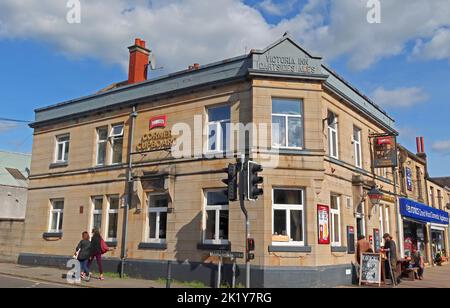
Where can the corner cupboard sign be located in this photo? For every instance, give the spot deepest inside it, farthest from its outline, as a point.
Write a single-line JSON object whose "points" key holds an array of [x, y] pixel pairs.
{"points": [[156, 139]]}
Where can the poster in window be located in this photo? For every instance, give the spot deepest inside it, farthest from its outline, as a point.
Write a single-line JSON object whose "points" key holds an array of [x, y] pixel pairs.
{"points": [[323, 216], [385, 152], [370, 269], [409, 183], [376, 240]]}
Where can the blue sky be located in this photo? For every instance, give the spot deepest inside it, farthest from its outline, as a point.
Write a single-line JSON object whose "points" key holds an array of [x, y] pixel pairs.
{"points": [[407, 72]]}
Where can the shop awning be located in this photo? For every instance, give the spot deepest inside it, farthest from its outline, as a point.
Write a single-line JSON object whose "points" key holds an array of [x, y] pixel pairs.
{"points": [[421, 212]]}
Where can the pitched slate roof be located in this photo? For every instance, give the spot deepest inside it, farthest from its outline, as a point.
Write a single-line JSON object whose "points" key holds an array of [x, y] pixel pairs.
{"points": [[219, 72], [13, 169]]}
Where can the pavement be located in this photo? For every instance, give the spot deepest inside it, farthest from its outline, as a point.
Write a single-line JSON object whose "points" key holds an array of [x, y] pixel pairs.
{"points": [[434, 277], [14, 275]]}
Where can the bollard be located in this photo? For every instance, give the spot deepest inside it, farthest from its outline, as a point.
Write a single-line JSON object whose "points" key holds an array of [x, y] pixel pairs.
{"points": [[169, 274]]}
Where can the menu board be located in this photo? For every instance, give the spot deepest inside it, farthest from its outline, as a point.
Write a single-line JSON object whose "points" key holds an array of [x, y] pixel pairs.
{"points": [[370, 269]]}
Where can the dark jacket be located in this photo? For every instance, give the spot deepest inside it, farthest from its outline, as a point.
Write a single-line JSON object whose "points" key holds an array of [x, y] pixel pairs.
{"points": [[392, 253], [84, 248], [96, 245]]}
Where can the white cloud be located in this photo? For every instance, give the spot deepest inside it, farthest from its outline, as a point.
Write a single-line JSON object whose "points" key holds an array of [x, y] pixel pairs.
{"points": [[185, 31], [279, 8], [442, 147], [401, 97]]}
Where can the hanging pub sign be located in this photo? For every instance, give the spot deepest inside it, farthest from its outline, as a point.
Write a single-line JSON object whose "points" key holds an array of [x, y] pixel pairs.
{"points": [[323, 216], [384, 151]]}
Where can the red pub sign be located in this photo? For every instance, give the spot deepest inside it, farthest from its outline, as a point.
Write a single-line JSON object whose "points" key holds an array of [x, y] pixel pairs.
{"points": [[158, 122]]}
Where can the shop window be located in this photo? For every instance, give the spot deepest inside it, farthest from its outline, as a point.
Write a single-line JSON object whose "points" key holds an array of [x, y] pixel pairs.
{"points": [[287, 123], [333, 142], [335, 215], [288, 217], [157, 217], [216, 218], [62, 149], [56, 216], [97, 213], [116, 137], [102, 142], [219, 129], [357, 146], [112, 218]]}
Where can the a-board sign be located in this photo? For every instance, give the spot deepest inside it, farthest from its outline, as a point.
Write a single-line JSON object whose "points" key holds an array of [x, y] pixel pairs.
{"points": [[370, 269], [227, 254]]}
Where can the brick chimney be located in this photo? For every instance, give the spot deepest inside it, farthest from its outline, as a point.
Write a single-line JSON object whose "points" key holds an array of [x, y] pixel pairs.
{"points": [[139, 59]]}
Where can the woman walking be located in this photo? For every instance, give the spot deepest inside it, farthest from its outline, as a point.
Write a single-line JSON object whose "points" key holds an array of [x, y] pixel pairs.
{"points": [[98, 248], [82, 253]]}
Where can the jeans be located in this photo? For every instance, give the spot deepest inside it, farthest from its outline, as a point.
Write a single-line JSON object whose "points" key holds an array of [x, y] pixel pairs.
{"points": [[98, 257], [84, 266]]}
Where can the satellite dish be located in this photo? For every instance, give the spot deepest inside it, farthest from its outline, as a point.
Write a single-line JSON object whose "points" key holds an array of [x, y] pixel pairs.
{"points": [[152, 61]]}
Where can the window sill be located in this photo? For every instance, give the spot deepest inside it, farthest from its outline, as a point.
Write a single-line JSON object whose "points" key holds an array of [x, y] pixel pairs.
{"points": [[59, 165], [152, 246], [338, 249], [299, 249], [52, 235], [111, 244], [214, 247]]}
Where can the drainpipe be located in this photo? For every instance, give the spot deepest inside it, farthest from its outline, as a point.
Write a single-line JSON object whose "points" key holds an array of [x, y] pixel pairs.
{"points": [[130, 180]]}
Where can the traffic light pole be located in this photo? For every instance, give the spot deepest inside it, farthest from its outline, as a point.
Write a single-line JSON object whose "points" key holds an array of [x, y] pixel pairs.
{"points": [[242, 189]]}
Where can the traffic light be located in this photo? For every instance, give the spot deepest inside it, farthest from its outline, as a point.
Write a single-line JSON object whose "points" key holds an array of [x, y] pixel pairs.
{"points": [[251, 244], [231, 181], [254, 180]]}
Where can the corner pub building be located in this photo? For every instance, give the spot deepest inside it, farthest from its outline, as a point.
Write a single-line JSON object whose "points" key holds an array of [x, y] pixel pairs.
{"points": [[178, 211]]}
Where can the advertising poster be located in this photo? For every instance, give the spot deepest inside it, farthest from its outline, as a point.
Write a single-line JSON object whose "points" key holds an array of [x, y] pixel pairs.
{"points": [[323, 216]]}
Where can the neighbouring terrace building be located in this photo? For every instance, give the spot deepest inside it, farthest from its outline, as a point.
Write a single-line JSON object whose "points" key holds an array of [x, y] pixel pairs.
{"points": [[310, 129], [14, 172]]}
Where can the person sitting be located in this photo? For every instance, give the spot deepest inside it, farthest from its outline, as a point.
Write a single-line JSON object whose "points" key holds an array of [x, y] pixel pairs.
{"points": [[418, 261]]}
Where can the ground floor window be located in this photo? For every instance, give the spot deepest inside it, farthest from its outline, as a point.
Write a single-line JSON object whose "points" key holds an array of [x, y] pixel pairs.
{"points": [[288, 216], [335, 215], [157, 217], [437, 244], [414, 234], [97, 213], [112, 218], [360, 220], [56, 215], [216, 217]]}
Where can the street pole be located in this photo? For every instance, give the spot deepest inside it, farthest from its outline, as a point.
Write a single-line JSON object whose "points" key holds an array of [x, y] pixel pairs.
{"points": [[397, 212], [123, 253], [242, 188]]}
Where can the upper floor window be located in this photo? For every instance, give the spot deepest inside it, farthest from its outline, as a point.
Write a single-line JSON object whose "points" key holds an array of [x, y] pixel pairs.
{"points": [[116, 137], [419, 183], [439, 196], [357, 146], [62, 149], [288, 217], [218, 128], [102, 142], [216, 217], [333, 141], [56, 215], [432, 199], [287, 123]]}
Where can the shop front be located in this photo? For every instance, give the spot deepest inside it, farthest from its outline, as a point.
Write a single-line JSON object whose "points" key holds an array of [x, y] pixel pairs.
{"points": [[423, 228]]}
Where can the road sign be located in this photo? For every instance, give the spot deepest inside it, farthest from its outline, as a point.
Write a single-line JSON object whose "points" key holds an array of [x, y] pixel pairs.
{"points": [[227, 254]]}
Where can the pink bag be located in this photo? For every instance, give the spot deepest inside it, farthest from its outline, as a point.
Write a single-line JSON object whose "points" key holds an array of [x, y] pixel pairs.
{"points": [[104, 247]]}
